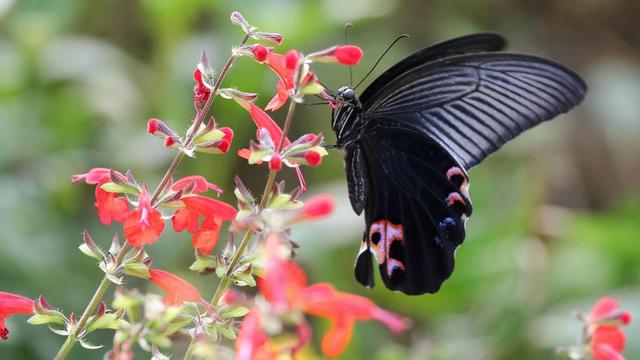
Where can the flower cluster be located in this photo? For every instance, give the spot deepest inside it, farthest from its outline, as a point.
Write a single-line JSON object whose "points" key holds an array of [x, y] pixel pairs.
{"points": [[285, 296], [603, 339]]}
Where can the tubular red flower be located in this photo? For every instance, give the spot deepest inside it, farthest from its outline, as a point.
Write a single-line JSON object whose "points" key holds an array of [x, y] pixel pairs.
{"points": [[177, 289], [317, 206], [143, 225], [348, 54], [11, 304]]}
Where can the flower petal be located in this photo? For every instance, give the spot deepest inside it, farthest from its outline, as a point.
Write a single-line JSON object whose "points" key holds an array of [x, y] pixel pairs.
{"points": [[177, 289], [336, 339], [610, 336], [604, 307], [208, 207], [263, 120]]}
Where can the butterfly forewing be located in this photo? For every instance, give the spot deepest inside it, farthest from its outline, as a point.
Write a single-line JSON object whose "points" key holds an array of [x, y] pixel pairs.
{"points": [[472, 104], [416, 211]]}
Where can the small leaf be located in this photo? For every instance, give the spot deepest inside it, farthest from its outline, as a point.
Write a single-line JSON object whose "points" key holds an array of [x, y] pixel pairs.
{"points": [[233, 312], [202, 262], [244, 280], [227, 333], [88, 345], [119, 188]]}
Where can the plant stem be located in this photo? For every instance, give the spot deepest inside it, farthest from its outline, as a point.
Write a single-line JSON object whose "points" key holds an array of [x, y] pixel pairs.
{"points": [[271, 179], [104, 284]]}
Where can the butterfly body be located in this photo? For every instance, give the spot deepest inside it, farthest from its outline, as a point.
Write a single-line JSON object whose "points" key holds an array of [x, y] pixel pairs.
{"points": [[411, 136]]}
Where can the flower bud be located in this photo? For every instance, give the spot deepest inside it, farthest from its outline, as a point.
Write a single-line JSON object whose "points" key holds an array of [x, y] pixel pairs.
{"points": [[313, 158], [243, 99], [272, 39], [238, 19], [260, 53], [317, 207], [291, 59], [344, 54], [275, 163]]}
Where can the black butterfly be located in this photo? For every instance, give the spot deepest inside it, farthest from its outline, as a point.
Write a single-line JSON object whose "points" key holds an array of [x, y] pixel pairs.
{"points": [[411, 136]]}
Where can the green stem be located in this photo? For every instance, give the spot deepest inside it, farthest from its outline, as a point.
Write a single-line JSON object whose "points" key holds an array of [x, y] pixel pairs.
{"points": [[189, 353], [224, 282]]}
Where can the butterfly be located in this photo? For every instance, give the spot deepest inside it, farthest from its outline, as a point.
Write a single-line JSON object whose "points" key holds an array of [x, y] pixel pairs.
{"points": [[411, 136]]}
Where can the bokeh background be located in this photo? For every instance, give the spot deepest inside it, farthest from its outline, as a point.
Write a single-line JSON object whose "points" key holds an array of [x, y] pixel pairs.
{"points": [[556, 212]]}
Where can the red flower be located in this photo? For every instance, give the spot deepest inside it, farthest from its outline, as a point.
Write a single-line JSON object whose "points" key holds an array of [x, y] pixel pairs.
{"points": [[12, 304], [201, 91], [143, 225], [110, 208], [214, 212], [604, 319], [177, 289], [284, 287]]}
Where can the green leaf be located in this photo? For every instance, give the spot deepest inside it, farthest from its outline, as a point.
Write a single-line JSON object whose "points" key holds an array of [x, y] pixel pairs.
{"points": [[233, 312], [202, 262], [120, 188]]}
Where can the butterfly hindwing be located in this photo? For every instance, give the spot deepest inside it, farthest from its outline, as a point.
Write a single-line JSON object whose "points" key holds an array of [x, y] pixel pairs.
{"points": [[417, 204]]}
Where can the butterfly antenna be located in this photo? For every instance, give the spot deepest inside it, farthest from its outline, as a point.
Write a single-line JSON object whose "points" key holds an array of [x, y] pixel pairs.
{"points": [[381, 56], [347, 26]]}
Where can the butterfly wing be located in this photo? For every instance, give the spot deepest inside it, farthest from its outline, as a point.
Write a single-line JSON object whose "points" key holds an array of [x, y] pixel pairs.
{"points": [[479, 42], [474, 103], [416, 207]]}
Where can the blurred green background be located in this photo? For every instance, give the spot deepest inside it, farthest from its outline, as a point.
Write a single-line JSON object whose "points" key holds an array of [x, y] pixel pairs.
{"points": [[556, 212]]}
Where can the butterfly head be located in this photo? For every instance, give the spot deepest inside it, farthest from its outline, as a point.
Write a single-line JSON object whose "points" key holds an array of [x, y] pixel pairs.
{"points": [[346, 118], [345, 94]]}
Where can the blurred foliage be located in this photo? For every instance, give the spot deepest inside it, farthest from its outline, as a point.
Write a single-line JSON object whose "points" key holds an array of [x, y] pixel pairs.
{"points": [[557, 211]]}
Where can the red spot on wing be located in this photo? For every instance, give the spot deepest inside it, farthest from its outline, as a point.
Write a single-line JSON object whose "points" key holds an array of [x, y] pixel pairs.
{"points": [[388, 234]]}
